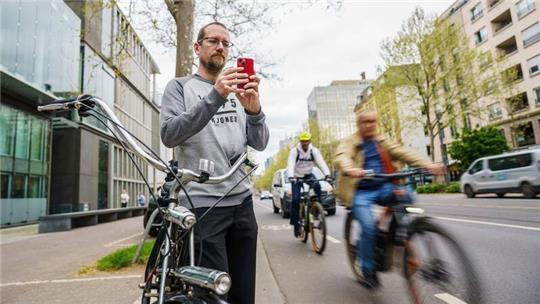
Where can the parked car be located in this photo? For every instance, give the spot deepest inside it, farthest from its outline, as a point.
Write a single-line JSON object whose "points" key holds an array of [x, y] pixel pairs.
{"points": [[517, 172], [266, 195], [282, 193]]}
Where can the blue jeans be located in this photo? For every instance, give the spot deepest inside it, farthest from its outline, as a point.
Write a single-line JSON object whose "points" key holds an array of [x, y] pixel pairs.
{"points": [[296, 189], [362, 211]]}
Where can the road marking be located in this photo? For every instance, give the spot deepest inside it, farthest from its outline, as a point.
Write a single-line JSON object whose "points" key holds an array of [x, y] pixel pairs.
{"points": [[276, 227], [333, 240], [121, 240], [480, 206], [37, 282], [448, 298], [487, 223]]}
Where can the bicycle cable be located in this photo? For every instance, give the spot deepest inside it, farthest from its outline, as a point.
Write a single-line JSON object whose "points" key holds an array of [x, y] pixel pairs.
{"points": [[197, 219]]}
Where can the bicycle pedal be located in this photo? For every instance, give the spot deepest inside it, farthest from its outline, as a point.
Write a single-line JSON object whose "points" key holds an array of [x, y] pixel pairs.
{"points": [[151, 295], [142, 285]]}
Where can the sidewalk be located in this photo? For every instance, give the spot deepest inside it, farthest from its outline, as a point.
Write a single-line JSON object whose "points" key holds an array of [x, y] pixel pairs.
{"points": [[267, 291]]}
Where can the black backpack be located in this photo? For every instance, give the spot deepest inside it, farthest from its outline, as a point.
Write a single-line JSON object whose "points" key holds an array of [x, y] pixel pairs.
{"points": [[311, 158]]}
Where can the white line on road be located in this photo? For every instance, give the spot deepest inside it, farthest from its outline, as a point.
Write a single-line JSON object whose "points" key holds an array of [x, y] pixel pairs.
{"points": [[121, 240], [487, 223], [333, 240], [480, 206], [37, 282], [265, 207], [448, 298]]}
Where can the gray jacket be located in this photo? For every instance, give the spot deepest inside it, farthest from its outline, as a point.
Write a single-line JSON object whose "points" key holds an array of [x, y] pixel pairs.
{"points": [[200, 124]]}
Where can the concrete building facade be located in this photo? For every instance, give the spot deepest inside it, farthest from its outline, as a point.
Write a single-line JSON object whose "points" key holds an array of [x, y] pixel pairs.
{"points": [[332, 106], [511, 28]]}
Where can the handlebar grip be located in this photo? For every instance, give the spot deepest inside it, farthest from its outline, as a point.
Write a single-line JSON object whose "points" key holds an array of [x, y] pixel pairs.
{"points": [[65, 100]]}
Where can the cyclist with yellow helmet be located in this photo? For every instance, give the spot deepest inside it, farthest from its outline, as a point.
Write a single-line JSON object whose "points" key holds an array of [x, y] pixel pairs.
{"points": [[300, 164]]}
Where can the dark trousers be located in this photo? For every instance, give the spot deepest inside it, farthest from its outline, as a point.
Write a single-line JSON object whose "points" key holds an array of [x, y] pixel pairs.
{"points": [[296, 189], [230, 244]]}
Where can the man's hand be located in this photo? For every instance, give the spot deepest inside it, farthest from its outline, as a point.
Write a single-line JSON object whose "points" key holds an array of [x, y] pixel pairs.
{"points": [[436, 169], [249, 96], [226, 81], [355, 172]]}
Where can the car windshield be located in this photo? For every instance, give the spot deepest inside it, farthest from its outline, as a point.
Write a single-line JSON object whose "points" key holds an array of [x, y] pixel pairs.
{"points": [[316, 171]]}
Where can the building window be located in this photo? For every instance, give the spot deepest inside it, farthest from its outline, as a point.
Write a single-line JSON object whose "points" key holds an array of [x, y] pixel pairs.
{"points": [[518, 102], [486, 58], [534, 64], [480, 36], [524, 134], [531, 34], [22, 140], [8, 120], [476, 12], [536, 92], [18, 186], [428, 150], [523, 7], [4, 185], [103, 175], [495, 111]]}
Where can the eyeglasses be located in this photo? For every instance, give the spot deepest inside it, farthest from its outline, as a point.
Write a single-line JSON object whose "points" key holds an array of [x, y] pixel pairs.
{"points": [[214, 42]]}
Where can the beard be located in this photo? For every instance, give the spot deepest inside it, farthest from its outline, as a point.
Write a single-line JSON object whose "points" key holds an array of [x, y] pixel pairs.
{"points": [[214, 65]]}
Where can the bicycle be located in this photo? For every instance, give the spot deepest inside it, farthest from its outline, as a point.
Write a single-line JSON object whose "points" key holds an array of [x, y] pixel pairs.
{"points": [[312, 216], [435, 266], [171, 275]]}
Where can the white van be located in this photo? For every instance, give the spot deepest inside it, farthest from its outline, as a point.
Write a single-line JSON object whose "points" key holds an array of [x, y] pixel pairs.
{"points": [[517, 172]]}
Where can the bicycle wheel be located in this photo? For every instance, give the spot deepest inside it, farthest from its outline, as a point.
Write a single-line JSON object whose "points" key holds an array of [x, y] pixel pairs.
{"points": [[317, 227], [437, 268], [351, 232], [152, 273], [304, 222]]}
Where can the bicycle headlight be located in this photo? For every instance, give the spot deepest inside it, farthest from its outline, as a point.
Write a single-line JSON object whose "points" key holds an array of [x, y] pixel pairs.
{"points": [[217, 281], [181, 216]]}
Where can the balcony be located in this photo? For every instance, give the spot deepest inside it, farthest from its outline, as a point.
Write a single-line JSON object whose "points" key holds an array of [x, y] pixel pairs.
{"points": [[507, 47], [501, 22], [514, 73], [493, 3], [518, 102]]}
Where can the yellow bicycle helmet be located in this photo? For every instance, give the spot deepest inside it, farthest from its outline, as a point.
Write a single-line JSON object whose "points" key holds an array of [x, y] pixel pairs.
{"points": [[305, 136]]}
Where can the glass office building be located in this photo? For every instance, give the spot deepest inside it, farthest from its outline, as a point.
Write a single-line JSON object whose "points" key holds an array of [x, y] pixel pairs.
{"points": [[39, 60]]}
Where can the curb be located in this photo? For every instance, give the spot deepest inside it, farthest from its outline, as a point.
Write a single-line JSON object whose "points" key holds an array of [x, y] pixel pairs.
{"points": [[267, 289]]}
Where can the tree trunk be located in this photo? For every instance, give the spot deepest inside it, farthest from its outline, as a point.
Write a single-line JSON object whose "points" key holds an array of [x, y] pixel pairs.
{"points": [[183, 11]]}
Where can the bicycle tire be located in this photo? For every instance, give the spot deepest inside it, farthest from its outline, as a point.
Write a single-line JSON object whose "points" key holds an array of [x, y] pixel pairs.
{"points": [[350, 246], [151, 277], [304, 218], [316, 212], [436, 270]]}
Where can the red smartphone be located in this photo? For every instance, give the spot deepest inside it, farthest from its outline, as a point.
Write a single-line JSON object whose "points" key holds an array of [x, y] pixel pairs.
{"points": [[247, 64]]}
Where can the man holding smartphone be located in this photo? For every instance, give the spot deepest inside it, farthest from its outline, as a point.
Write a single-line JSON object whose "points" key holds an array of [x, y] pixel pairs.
{"points": [[206, 116]]}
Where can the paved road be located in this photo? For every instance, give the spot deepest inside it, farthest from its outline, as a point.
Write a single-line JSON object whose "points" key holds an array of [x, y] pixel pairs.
{"points": [[502, 237]]}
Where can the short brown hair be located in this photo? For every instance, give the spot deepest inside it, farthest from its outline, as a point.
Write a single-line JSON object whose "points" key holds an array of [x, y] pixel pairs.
{"points": [[200, 36]]}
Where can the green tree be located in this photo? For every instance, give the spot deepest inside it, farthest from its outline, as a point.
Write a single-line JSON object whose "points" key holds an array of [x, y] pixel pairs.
{"points": [[279, 162], [477, 143], [446, 77], [323, 140]]}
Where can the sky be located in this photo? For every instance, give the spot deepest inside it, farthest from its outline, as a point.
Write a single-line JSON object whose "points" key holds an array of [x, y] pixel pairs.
{"points": [[311, 48]]}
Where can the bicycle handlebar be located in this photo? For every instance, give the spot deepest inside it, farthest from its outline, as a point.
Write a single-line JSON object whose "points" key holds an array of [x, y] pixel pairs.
{"points": [[87, 102], [396, 175]]}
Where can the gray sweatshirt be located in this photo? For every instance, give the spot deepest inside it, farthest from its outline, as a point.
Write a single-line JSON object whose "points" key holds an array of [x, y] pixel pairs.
{"points": [[200, 124]]}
